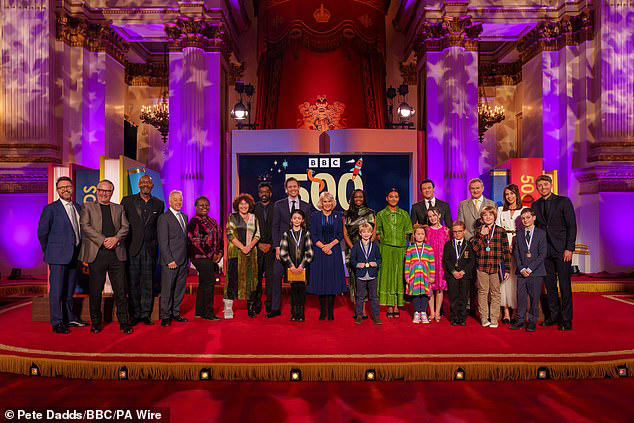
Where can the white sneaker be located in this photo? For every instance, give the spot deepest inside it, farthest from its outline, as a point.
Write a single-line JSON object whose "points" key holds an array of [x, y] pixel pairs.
{"points": [[423, 318], [416, 318], [228, 311], [493, 325], [485, 324]]}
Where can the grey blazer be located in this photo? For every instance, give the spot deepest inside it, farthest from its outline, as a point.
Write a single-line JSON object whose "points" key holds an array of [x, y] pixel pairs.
{"points": [[172, 240], [92, 238], [469, 215]]}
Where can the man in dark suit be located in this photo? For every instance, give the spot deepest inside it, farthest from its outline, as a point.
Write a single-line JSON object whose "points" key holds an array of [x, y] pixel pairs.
{"points": [[142, 211], [530, 251], [458, 262], [266, 255], [172, 237], [282, 223], [419, 210], [105, 227], [556, 215], [60, 236]]}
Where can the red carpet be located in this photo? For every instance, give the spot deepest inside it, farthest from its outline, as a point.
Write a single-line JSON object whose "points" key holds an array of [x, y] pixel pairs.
{"points": [[244, 348], [591, 401]]}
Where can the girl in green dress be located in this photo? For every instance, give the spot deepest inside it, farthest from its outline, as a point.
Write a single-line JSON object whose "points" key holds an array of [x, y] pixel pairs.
{"points": [[393, 225]]}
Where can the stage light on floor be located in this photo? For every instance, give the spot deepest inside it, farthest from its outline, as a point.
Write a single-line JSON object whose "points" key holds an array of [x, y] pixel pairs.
{"points": [[370, 375], [217, 280], [621, 370], [296, 375], [123, 373], [543, 373], [34, 370], [460, 374], [205, 374]]}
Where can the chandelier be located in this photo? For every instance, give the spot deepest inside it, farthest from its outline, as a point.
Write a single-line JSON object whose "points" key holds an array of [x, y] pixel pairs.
{"points": [[487, 117], [158, 115]]}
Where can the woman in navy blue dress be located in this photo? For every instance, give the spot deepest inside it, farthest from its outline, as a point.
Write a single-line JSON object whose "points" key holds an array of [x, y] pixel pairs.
{"points": [[327, 275]]}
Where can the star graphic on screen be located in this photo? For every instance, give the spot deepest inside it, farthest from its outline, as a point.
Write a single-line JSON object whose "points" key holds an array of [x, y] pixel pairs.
{"points": [[284, 164]]}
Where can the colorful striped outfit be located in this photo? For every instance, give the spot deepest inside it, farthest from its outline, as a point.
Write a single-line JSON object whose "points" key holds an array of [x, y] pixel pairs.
{"points": [[419, 271]]}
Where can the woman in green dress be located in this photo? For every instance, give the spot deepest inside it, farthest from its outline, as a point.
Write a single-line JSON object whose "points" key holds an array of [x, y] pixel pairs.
{"points": [[358, 212], [393, 225]]}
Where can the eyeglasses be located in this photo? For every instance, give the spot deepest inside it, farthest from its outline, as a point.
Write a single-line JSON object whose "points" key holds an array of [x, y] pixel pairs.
{"points": [[105, 190], [65, 188]]}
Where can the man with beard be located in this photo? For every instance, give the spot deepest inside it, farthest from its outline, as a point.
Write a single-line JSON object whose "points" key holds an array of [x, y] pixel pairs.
{"points": [[266, 255]]}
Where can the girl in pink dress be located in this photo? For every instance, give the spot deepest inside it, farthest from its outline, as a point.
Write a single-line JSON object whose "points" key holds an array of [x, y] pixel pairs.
{"points": [[437, 235]]}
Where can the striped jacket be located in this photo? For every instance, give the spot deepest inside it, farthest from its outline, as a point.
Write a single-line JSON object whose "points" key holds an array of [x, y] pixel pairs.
{"points": [[419, 271], [291, 255]]}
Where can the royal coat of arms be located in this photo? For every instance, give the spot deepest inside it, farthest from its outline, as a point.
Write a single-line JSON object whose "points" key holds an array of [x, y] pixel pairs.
{"points": [[321, 115]]}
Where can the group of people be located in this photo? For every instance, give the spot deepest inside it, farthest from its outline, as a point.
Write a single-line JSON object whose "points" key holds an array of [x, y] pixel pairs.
{"points": [[492, 258]]}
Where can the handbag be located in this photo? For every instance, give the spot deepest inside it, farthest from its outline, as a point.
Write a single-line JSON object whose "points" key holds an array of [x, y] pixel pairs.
{"points": [[296, 277]]}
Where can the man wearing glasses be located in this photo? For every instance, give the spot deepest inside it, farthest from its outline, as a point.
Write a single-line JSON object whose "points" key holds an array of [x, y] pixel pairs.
{"points": [[59, 234], [105, 227]]}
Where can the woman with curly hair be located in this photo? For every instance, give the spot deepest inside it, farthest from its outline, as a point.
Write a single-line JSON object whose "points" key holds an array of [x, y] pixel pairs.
{"points": [[243, 232]]}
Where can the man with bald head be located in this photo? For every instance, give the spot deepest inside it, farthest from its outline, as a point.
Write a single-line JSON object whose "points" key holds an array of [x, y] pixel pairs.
{"points": [[142, 211]]}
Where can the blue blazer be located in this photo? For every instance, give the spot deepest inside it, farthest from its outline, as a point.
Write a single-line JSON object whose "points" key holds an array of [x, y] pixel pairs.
{"points": [[357, 256], [539, 247], [56, 234]]}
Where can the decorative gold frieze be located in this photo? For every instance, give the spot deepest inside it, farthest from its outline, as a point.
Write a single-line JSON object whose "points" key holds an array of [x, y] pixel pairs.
{"points": [[618, 178], [19, 183], [495, 74], [408, 72], [450, 32], [198, 32], [146, 74]]}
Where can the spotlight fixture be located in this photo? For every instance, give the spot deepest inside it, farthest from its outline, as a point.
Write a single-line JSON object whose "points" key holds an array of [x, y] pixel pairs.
{"points": [[404, 111], [460, 374], [543, 373], [370, 375], [205, 374], [296, 375], [217, 279], [123, 373], [240, 111], [34, 370], [621, 370]]}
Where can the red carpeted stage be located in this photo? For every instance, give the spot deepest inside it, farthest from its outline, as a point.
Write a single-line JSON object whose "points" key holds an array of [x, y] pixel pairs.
{"points": [[267, 349]]}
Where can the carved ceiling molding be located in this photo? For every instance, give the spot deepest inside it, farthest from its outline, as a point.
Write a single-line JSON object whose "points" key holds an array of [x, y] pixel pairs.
{"points": [[449, 32], [556, 34], [195, 31], [496, 74], [146, 74], [23, 182], [606, 178], [611, 151], [236, 72], [79, 32]]}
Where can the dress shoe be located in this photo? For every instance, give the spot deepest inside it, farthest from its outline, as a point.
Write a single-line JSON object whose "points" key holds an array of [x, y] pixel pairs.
{"points": [[506, 321], [252, 314], [61, 329], [358, 320], [147, 321], [96, 328], [166, 322], [454, 323], [517, 326], [77, 323], [134, 321], [548, 322], [531, 327], [273, 313], [179, 319], [127, 329], [565, 326], [377, 321], [463, 323], [212, 317]]}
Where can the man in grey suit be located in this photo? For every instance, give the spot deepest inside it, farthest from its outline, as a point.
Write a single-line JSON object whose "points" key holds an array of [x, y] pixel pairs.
{"points": [[530, 252], [104, 227], [469, 211], [172, 238]]}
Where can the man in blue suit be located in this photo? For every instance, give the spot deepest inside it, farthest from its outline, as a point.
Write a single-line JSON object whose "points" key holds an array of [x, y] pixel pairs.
{"points": [[60, 237], [530, 252]]}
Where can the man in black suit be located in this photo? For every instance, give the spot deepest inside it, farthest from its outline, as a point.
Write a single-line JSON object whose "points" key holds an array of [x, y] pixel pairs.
{"points": [[60, 236], [282, 223], [458, 262], [419, 210], [172, 238], [266, 255], [530, 252], [556, 215], [142, 211]]}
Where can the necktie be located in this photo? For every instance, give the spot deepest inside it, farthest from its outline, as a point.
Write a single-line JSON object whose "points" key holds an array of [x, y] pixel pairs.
{"points": [[459, 247], [293, 206], [477, 204], [528, 236], [73, 221], [428, 204], [181, 221]]}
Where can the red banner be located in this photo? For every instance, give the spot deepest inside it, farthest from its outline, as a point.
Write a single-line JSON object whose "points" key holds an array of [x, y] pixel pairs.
{"points": [[523, 174]]}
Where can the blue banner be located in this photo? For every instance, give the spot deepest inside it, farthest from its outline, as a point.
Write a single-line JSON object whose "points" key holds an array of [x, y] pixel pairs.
{"points": [[135, 174], [86, 181], [339, 174]]}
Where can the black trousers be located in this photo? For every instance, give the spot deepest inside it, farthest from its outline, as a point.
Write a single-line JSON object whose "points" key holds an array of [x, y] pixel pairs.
{"points": [[266, 262], [458, 296], [420, 303], [206, 284], [141, 274], [107, 261], [298, 294], [557, 269]]}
